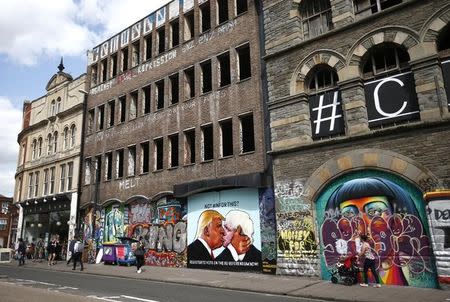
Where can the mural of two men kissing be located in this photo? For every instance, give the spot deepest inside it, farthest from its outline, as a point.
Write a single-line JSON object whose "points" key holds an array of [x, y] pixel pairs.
{"points": [[391, 212], [224, 236]]}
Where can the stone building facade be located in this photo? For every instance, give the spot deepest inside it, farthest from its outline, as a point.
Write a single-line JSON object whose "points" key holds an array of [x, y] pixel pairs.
{"points": [[175, 128], [7, 216], [47, 173], [360, 124]]}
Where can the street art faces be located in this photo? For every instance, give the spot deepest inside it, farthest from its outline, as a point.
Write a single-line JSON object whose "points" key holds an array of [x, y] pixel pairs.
{"points": [[224, 236], [391, 213]]}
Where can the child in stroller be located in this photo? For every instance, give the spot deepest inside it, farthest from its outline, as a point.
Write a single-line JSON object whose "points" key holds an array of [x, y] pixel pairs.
{"points": [[346, 270]]}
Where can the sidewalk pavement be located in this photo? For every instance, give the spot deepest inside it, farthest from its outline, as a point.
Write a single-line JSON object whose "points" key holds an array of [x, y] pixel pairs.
{"points": [[255, 282]]}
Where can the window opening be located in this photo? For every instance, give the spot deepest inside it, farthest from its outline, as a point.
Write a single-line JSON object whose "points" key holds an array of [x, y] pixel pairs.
{"points": [[148, 46], [134, 104], [160, 94], [112, 112], [145, 157], [174, 88], [104, 70], [108, 165], [224, 69], [94, 74], [368, 7], [159, 153], [98, 168], [316, 17], [101, 117], [207, 142], [173, 139], [222, 11], [62, 179], [119, 163], [175, 33], [322, 77], [247, 134], [205, 14], [91, 120], [189, 88], [69, 176], [131, 160], [113, 66], [161, 40], [206, 76], [244, 62], [385, 59], [147, 97], [226, 135], [189, 147], [123, 108], [241, 6], [136, 54], [124, 53], [189, 26]]}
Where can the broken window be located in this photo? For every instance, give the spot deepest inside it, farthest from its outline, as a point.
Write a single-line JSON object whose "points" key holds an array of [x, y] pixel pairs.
{"points": [[365, 8], [133, 104], [206, 76], [131, 160], [174, 33], [98, 168], [90, 121], [124, 54], [112, 112], [119, 163], [108, 166], [87, 171], [189, 26], [136, 53], [241, 7], [145, 153], [316, 17], [173, 152], [113, 66], [205, 17], [100, 117], [159, 153], [161, 40], [247, 133], [189, 147], [104, 70], [243, 53], [174, 88], [222, 11], [122, 108], [226, 137], [224, 69], [207, 142], [321, 77], [148, 46], [384, 58], [94, 74], [160, 94], [189, 82], [146, 95]]}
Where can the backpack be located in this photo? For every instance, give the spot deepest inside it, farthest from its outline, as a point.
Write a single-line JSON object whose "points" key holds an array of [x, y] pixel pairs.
{"points": [[78, 248], [72, 245]]}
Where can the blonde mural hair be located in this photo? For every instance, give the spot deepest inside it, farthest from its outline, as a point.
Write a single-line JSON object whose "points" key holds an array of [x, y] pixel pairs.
{"points": [[205, 218]]}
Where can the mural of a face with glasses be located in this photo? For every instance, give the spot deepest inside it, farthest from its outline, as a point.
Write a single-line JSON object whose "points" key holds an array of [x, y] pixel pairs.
{"points": [[387, 213]]}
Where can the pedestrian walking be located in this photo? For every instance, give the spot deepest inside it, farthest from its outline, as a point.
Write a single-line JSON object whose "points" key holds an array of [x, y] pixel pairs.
{"points": [[71, 249], [369, 262], [78, 253], [139, 252], [21, 251]]}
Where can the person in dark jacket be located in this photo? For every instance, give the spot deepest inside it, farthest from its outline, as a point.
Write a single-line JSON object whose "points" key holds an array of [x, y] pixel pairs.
{"points": [[21, 251], [139, 253], [71, 250]]}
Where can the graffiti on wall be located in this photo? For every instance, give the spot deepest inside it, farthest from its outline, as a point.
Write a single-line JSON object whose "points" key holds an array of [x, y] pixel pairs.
{"points": [[438, 211], [296, 243], [268, 230], [114, 224], [391, 213], [163, 231], [226, 233]]}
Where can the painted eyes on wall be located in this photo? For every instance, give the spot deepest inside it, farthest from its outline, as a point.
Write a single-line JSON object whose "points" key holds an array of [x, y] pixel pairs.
{"points": [[376, 209], [350, 211]]}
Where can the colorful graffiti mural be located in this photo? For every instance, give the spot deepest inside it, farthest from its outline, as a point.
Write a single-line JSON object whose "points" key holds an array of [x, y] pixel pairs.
{"points": [[268, 230], [296, 244], [438, 210], [114, 226], [226, 234], [391, 212]]}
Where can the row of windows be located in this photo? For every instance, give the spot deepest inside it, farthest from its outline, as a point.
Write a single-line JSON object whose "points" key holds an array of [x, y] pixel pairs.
{"points": [[247, 145], [144, 49], [68, 141], [55, 107], [141, 101], [48, 180], [316, 15]]}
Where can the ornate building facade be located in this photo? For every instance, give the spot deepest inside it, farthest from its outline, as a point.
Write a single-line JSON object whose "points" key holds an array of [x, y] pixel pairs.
{"points": [[360, 125]]}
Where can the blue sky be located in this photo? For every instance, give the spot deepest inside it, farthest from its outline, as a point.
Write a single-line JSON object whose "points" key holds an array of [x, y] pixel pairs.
{"points": [[34, 35]]}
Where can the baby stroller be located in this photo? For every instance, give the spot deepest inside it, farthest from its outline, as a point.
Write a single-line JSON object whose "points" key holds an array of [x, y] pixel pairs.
{"points": [[346, 271]]}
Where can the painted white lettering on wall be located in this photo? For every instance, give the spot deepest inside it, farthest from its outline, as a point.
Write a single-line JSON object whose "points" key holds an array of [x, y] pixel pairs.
{"points": [[288, 195], [129, 183], [207, 37], [161, 60]]}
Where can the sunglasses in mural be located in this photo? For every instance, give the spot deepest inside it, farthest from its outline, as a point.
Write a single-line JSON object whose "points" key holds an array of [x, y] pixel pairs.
{"points": [[386, 213]]}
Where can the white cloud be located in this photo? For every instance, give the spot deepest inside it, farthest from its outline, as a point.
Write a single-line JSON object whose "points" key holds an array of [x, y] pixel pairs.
{"points": [[30, 29], [9, 129]]}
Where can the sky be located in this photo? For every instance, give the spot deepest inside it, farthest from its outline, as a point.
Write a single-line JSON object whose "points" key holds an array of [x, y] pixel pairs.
{"points": [[34, 35]]}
